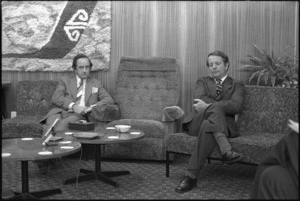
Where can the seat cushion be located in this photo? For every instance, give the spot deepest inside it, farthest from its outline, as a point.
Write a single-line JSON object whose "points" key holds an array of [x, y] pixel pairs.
{"points": [[151, 128], [144, 148], [22, 126], [255, 146], [180, 143]]}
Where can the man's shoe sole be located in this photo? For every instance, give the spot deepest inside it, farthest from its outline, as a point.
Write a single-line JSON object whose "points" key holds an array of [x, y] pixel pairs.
{"points": [[238, 159], [178, 191]]}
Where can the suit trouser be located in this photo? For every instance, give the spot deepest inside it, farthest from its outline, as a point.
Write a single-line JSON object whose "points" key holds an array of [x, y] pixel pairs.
{"points": [[63, 123], [203, 125]]}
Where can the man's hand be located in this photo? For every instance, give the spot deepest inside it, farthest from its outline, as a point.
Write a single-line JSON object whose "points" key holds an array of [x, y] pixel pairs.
{"points": [[294, 125], [78, 109], [200, 105], [89, 109]]}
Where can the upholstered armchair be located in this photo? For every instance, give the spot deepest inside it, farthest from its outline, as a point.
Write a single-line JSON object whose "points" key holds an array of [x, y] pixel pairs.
{"points": [[147, 93], [33, 102]]}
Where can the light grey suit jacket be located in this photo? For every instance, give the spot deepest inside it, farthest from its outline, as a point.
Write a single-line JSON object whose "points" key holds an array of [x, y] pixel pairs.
{"points": [[66, 92]]}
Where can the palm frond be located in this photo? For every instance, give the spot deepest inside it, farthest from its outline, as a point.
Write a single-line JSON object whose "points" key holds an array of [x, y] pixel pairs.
{"points": [[261, 73], [254, 75], [268, 66], [266, 76]]}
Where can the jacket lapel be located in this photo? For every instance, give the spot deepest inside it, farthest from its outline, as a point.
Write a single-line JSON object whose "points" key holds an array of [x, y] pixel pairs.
{"points": [[212, 87], [228, 82]]}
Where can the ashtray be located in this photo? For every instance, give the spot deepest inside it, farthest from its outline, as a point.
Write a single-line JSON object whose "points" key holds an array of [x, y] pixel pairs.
{"points": [[87, 135]]}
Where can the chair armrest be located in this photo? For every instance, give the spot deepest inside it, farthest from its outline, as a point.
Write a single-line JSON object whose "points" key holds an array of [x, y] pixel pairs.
{"points": [[172, 113], [104, 113]]}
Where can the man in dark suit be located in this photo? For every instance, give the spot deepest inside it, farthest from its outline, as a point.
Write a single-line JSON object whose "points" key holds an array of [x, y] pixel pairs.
{"points": [[75, 96], [218, 99]]}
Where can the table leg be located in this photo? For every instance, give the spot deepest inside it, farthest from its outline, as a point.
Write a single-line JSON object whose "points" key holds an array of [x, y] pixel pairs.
{"points": [[25, 195], [97, 174]]}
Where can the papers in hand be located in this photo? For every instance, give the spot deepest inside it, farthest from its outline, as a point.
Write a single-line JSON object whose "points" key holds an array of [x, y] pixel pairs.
{"points": [[294, 125]]}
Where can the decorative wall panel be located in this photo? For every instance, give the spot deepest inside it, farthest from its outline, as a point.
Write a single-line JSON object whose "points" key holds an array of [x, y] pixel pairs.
{"points": [[46, 35]]}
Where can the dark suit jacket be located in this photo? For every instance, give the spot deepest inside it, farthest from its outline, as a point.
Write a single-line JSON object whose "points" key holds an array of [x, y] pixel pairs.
{"points": [[286, 154], [231, 99], [66, 92]]}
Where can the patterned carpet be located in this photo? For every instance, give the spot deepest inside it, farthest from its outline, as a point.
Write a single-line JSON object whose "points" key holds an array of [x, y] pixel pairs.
{"points": [[146, 181]]}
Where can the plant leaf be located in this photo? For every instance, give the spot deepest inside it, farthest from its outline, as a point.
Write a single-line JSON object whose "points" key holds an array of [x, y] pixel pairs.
{"points": [[266, 76], [253, 76]]}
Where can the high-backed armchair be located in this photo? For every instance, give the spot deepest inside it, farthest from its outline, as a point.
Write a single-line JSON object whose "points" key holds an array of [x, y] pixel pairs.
{"points": [[147, 93]]}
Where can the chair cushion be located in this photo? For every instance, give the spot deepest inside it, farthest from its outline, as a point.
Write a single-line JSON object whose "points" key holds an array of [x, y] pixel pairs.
{"points": [[22, 126], [144, 148], [34, 97], [180, 143], [255, 146], [151, 128], [268, 109], [145, 86]]}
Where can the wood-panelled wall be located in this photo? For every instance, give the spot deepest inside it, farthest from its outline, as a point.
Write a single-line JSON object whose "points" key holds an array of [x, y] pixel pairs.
{"points": [[188, 31]]}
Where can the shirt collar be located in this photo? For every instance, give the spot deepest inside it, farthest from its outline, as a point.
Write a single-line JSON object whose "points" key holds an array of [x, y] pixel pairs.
{"points": [[222, 79], [78, 80]]}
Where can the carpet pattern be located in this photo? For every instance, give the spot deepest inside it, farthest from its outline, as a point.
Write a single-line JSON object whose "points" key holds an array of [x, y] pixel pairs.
{"points": [[147, 180]]}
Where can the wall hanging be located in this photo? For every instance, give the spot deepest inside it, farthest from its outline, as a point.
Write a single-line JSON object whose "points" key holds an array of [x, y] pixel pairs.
{"points": [[46, 35]]}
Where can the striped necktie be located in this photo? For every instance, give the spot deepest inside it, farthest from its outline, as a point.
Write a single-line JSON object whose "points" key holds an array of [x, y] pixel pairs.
{"points": [[219, 88], [79, 92]]}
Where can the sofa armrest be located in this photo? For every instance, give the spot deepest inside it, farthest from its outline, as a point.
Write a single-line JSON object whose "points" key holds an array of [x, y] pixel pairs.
{"points": [[105, 113], [172, 113]]}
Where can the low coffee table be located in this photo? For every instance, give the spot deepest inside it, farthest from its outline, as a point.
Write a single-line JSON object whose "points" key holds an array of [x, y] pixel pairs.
{"points": [[30, 149], [106, 135]]}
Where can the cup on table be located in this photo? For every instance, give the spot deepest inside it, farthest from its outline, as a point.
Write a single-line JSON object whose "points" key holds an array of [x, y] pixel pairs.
{"points": [[122, 128]]}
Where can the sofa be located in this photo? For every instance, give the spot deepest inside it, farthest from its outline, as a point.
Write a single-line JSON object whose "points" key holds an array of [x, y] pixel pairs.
{"points": [[262, 123]]}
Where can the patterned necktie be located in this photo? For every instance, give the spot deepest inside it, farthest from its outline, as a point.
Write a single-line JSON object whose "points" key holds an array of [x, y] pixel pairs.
{"points": [[79, 92], [218, 89]]}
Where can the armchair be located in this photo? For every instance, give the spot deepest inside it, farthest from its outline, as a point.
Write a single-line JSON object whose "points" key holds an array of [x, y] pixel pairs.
{"points": [[146, 91], [33, 102]]}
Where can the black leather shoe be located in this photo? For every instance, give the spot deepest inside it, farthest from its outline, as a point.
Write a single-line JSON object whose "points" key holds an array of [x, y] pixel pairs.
{"points": [[232, 157], [43, 166], [186, 184]]}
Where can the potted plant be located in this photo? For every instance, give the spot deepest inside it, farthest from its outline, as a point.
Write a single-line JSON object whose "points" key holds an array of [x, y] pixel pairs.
{"points": [[269, 69]]}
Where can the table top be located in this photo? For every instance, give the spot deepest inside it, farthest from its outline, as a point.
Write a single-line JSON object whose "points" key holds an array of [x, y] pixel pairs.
{"points": [[25, 149], [105, 135]]}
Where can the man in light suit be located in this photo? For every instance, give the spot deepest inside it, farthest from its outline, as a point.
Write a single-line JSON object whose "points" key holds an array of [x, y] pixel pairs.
{"points": [[218, 98], [75, 96]]}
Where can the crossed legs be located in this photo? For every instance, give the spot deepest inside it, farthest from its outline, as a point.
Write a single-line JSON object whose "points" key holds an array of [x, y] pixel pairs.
{"points": [[211, 129], [62, 124]]}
